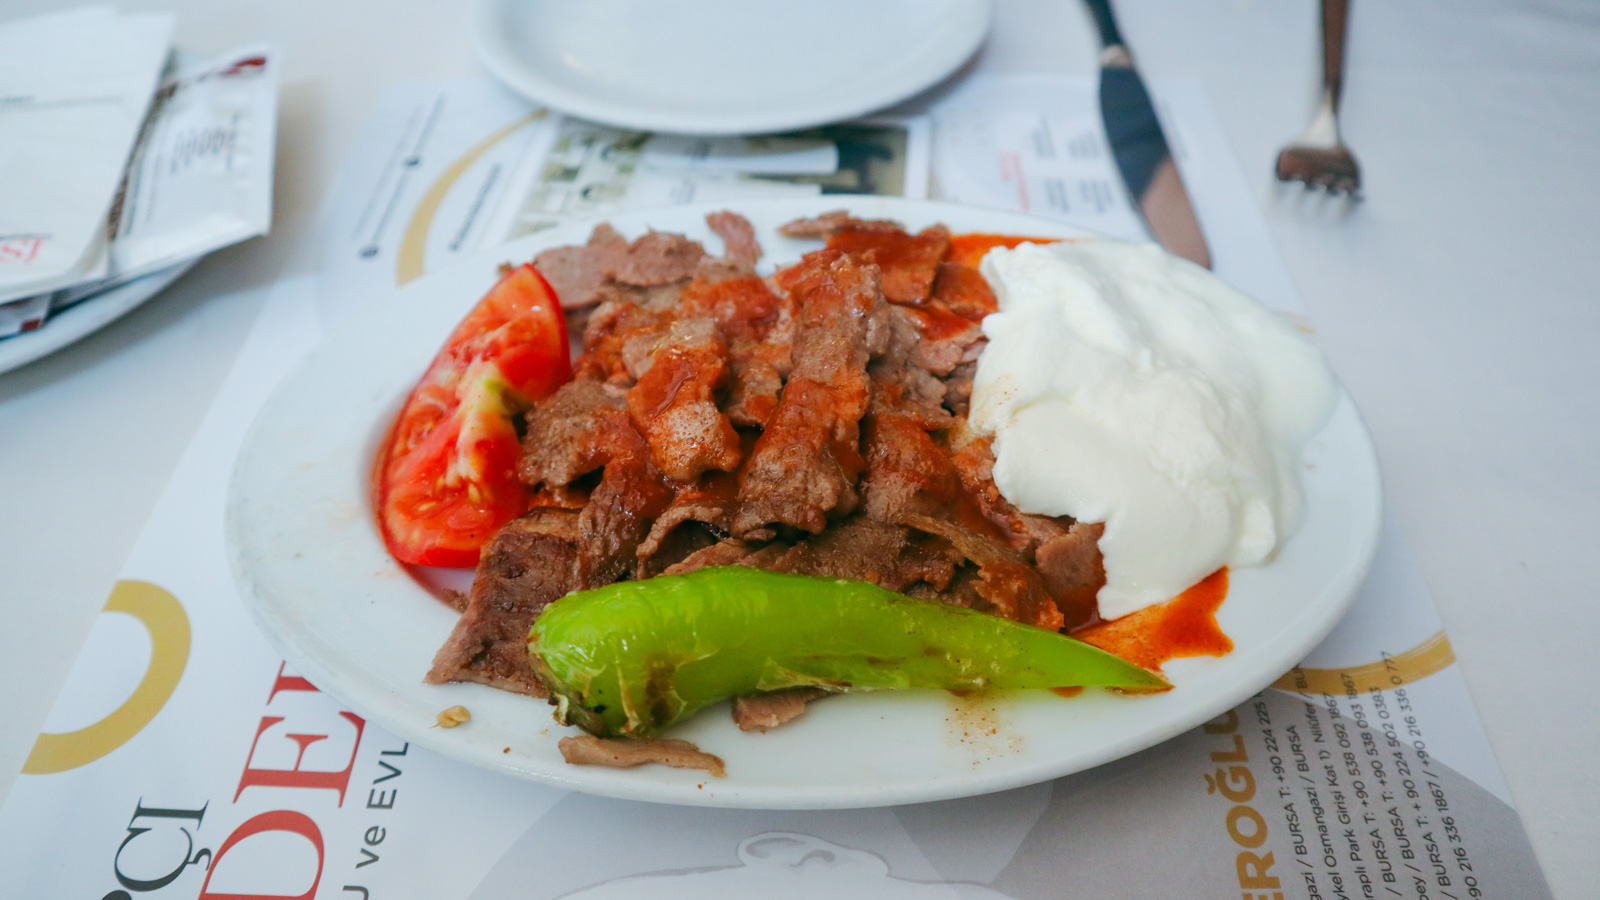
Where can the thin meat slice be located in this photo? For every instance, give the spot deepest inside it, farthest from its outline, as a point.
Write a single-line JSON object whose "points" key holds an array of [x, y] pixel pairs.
{"points": [[828, 223], [900, 381], [865, 549], [759, 324], [907, 472], [913, 480], [577, 273], [615, 321], [958, 389], [659, 258], [723, 553], [567, 496], [583, 276], [908, 261], [1072, 566], [947, 340], [1009, 586], [858, 548], [964, 291], [528, 564], [888, 555], [730, 552], [708, 502], [689, 537], [962, 591], [739, 244], [973, 455], [568, 433], [753, 398], [762, 711], [928, 560], [639, 347], [1064, 553], [611, 341], [618, 753], [631, 494], [674, 407], [1073, 569], [745, 307], [655, 297], [805, 464]]}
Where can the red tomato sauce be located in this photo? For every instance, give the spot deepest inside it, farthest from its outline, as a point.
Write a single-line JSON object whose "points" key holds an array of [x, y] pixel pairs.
{"points": [[907, 261], [743, 307], [968, 249], [1183, 626], [938, 324]]}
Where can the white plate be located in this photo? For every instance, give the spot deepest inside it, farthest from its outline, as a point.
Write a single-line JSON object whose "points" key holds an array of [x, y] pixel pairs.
{"points": [[724, 66], [312, 569], [86, 317]]}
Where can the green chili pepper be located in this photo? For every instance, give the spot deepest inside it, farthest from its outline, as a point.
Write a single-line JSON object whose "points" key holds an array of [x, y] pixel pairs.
{"points": [[633, 658]]}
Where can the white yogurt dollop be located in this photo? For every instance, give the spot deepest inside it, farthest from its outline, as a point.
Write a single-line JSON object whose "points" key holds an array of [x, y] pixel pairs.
{"points": [[1127, 386]]}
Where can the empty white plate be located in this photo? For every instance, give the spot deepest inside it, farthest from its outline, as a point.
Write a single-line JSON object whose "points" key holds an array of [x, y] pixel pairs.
{"points": [[724, 66]]}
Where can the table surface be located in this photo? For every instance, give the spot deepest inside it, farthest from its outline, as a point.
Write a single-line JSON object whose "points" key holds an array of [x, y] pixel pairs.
{"points": [[1456, 303]]}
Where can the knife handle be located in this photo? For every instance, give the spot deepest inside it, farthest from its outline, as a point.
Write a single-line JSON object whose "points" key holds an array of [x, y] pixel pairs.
{"points": [[1334, 15], [1106, 22]]}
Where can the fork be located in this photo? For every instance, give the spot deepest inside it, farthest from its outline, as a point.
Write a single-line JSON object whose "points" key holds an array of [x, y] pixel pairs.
{"points": [[1319, 159]]}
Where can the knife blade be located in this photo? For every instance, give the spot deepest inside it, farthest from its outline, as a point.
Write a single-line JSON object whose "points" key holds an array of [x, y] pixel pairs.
{"points": [[1140, 148]]}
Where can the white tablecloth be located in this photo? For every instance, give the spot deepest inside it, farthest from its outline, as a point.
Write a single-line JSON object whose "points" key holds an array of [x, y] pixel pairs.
{"points": [[1456, 303]]}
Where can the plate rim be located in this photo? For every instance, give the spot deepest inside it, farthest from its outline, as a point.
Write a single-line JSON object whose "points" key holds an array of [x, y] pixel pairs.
{"points": [[766, 118], [1312, 624]]}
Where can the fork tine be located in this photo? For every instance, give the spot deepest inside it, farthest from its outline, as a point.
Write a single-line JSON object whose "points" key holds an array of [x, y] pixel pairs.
{"points": [[1329, 167], [1319, 159]]}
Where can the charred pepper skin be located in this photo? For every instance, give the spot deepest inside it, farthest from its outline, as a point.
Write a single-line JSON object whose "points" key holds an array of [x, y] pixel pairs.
{"points": [[633, 658]]}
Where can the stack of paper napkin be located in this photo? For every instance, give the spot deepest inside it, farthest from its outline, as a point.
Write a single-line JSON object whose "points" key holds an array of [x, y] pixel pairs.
{"points": [[120, 157]]}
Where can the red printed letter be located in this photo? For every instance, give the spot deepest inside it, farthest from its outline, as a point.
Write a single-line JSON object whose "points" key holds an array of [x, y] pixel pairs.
{"points": [[297, 777], [278, 820], [289, 683]]}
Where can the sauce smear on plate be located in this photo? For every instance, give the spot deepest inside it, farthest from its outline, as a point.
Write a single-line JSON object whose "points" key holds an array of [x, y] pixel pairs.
{"points": [[968, 249], [1184, 626]]}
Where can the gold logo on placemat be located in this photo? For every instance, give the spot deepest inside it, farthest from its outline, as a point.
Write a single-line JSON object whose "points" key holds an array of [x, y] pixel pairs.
{"points": [[1428, 657], [414, 242], [163, 616]]}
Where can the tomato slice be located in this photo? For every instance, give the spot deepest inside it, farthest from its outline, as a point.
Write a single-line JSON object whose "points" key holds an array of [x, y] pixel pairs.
{"points": [[447, 474]]}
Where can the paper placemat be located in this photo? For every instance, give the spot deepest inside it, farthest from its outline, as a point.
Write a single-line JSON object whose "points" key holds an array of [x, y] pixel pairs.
{"points": [[183, 759]]}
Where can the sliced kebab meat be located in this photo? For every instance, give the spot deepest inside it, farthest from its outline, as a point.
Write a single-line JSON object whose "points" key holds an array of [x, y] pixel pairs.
{"points": [[810, 422]]}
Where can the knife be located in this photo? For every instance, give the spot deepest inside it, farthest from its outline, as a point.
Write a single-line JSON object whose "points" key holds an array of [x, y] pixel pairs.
{"points": [[1140, 148]]}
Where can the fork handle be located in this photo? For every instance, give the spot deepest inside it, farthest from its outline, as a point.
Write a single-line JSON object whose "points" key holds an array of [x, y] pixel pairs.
{"points": [[1334, 15]]}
